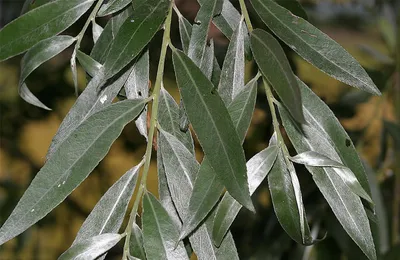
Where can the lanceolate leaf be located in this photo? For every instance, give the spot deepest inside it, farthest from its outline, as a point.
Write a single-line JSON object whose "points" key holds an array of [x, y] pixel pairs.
{"points": [[168, 118], [102, 47], [276, 69], [324, 121], [91, 248], [38, 24], [232, 74], [207, 63], [313, 45], [198, 39], [90, 65], [137, 86], [185, 31], [136, 248], [37, 55], [284, 200], [109, 212], [346, 205], [96, 31], [78, 155], [113, 6], [207, 188], [213, 126], [90, 101], [257, 169], [181, 168], [134, 35], [293, 6], [159, 232]]}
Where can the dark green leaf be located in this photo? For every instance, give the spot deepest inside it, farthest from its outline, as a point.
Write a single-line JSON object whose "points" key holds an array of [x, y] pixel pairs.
{"points": [[232, 74], [92, 247], [394, 131], [102, 47], [345, 204], [135, 34], [113, 6], [78, 155], [313, 45], [293, 6], [109, 212], [257, 169], [181, 168], [159, 232], [136, 248], [285, 201], [198, 38], [207, 189], [137, 86], [312, 158], [216, 74], [207, 63], [214, 128], [38, 24], [275, 67], [90, 65], [37, 55]]}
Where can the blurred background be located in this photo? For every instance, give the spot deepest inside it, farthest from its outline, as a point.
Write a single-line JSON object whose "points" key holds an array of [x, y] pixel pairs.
{"points": [[366, 28]]}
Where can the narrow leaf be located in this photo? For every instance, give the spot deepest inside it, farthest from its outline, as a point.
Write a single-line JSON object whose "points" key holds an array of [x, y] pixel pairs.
{"points": [[137, 86], [92, 247], [78, 155], [28, 96], [313, 45], [96, 31], [185, 31], [346, 205], [181, 168], [232, 74], [102, 46], [90, 65], [37, 55], [40, 23], [136, 248], [198, 39], [159, 232], [275, 67], [258, 168], [90, 101], [113, 6], [135, 34], [207, 188], [109, 212], [293, 6], [207, 63], [214, 128]]}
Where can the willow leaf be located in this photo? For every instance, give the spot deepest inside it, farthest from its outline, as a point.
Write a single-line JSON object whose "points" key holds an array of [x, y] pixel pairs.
{"points": [[92, 247], [313, 45], [159, 232], [207, 63], [346, 205], [137, 86], [96, 31], [275, 67], [198, 38], [185, 31], [293, 6], [258, 168], [90, 65], [232, 74], [78, 155], [181, 168], [135, 34], [109, 212], [211, 122], [113, 6], [136, 248], [39, 24], [37, 55]]}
